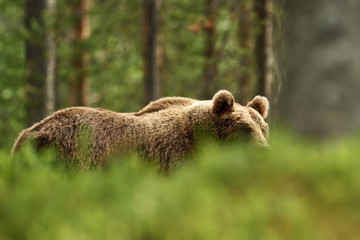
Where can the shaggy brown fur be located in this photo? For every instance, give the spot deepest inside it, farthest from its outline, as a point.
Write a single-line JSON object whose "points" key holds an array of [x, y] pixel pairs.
{"points": [[165, 131]]}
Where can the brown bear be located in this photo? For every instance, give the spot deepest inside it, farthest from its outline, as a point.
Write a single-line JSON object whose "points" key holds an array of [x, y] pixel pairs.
{"points": [[165, 131]]}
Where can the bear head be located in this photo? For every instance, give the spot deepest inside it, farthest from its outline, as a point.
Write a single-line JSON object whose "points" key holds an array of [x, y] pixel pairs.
{"points": [[233, 120]]}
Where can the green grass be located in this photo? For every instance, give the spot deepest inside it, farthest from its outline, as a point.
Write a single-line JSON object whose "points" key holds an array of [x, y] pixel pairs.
{"points": [[297, 190]]}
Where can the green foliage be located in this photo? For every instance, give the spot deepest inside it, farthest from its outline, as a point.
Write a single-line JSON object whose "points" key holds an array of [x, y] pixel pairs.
{"points": [[11, 70], [295, 190]]}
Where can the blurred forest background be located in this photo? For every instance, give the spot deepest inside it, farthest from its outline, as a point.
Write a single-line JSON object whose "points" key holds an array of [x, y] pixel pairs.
{"points": [[121, 54]]}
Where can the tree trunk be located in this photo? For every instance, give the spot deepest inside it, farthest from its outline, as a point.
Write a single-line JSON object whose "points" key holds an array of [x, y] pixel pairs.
{"points": [[208, 88], [320, 92], [39, 60], [263, 46], [245, 36], [80, 85], [51, 57], [152, 50]]}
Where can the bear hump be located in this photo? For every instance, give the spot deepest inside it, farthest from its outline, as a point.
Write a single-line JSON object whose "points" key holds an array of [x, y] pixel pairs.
{"points": [[165, 103]]}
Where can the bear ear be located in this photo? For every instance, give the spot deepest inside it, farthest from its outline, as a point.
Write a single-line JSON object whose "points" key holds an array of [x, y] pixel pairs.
{"points": [[261, 105], [223, 102]]}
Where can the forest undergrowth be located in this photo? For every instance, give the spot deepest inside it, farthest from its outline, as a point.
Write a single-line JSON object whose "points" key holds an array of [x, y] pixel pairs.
{"points": [[296, 190]]}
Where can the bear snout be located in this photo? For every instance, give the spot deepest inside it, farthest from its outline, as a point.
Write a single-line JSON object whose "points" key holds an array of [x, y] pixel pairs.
{"points": [[260, 140]]}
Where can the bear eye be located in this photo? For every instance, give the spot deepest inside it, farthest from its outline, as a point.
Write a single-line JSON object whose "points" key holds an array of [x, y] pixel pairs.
{"points": [[264, 132], [246, 131]]}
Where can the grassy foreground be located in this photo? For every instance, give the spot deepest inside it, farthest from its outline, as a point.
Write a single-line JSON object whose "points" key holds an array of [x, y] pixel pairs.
{"points": [[295, 191]]}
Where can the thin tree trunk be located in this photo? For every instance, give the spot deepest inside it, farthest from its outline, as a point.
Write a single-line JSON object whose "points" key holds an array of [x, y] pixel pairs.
{"points": [[80, 85], [51, 57], [152, 49], [208, 88], [245, 36], [263, 46]]}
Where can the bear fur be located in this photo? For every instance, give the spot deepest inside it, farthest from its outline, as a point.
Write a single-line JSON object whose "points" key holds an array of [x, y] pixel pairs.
{"points": [[165, 131]]}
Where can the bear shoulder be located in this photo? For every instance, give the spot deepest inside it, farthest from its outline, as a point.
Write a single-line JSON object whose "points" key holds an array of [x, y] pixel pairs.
{"points": [[165, 103]]}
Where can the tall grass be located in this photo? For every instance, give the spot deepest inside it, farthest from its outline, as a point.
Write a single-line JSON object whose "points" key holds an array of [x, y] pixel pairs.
{"points": [[297, 190]]}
